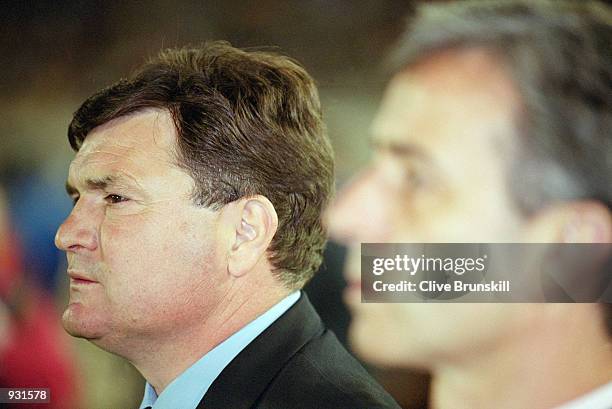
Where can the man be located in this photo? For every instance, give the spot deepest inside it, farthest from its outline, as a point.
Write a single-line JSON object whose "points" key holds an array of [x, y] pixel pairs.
{"points": [[496, 127], [198, 186]]}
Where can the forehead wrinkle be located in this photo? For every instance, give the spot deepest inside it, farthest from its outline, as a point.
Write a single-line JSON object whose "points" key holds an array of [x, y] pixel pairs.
{"points": [[109, 156], [112, 179], [98, 166], [102, 153]]}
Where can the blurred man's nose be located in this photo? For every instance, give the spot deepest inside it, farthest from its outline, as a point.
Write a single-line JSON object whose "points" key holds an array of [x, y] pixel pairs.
{"points": [[358, 214], [79, 232]]}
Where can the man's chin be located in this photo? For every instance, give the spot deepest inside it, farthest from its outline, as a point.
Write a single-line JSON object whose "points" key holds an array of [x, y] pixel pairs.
{"points": [[81, 324]]}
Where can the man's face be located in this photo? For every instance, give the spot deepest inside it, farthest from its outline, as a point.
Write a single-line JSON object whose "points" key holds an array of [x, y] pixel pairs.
{"points": [[442, 140], [141, 255]]}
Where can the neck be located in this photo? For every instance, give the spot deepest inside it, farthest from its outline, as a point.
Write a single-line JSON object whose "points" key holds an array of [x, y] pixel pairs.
{"points": [[160, 361], [539, 369]]}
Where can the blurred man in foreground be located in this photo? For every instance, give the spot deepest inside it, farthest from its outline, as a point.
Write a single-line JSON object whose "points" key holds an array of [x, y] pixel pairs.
{"points": [[198, 186], [496, 127]]}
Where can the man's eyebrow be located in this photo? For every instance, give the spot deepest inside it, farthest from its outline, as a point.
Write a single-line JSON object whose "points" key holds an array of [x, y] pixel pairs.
{"points": [[399, 149], [97, 184]]}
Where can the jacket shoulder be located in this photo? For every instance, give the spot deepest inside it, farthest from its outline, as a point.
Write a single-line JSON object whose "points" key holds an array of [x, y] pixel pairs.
{"points": [[324, 375]]}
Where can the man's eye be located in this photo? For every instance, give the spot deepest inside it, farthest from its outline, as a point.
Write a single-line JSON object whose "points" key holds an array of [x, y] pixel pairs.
{"points": [[112, 198], [74, 199], [413, 178]]}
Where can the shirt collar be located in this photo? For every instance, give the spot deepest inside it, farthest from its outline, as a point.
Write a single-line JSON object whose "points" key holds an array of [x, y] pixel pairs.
{"points": [[188, 389]]}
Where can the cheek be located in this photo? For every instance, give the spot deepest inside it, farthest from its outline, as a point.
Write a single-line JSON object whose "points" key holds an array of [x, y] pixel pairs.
{"points": [[451, 331], [427, 225], [454, 217], [128, 242], [164, 254]]}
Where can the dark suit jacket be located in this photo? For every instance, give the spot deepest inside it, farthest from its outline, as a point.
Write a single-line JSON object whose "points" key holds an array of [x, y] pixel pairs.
{"points": [[295, 364]]}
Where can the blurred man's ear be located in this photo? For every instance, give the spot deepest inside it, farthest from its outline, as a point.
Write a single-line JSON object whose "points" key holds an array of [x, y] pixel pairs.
{"points": [[586, 221], [254, 222]]}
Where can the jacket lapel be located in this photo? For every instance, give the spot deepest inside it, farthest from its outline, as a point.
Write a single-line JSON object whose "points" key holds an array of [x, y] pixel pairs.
{"points": [[243, 381]]}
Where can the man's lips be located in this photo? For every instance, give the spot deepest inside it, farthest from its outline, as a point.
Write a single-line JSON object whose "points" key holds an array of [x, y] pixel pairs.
{"points": [[353, 285], [353, 289], [80, 278]]}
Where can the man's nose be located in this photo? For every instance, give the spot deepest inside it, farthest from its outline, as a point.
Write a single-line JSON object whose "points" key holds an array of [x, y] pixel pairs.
{"points": [[358, 214], [79, 232]]}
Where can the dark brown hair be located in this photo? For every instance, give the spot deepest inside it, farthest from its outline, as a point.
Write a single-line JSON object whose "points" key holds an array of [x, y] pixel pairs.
{"points": [[248, 123]]}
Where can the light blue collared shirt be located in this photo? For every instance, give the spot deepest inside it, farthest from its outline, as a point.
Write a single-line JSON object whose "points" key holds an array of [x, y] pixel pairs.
{"points": [[188, 389]]}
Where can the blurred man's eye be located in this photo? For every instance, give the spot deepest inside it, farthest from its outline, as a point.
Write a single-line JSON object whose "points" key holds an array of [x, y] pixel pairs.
{"points": [[413, 178], [75, 199]]}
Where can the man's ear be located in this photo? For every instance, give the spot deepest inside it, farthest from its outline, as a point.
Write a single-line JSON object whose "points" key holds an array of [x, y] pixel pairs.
{"points": [[586, 221], [254, 224]]}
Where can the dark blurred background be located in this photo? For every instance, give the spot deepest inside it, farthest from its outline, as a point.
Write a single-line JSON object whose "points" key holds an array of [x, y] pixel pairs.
{"points": [[57, 53]]}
